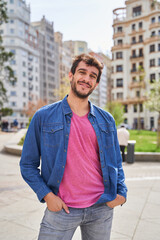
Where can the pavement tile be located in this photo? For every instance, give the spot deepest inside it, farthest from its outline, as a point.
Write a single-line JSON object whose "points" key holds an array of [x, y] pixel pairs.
{"points": [[151, 213], [147, 231], [18, 209], [124, 222], [12, 231]]}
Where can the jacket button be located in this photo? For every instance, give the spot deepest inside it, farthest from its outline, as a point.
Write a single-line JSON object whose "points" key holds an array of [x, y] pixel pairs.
{"points": [[58, 181], [64, 150]]}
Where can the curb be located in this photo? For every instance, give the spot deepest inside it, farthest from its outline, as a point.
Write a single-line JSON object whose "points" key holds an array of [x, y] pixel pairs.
{"points": [[12, 147]]}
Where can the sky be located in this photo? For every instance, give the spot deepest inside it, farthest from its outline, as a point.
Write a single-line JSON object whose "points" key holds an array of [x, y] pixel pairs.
{"points": [[84, 20]]}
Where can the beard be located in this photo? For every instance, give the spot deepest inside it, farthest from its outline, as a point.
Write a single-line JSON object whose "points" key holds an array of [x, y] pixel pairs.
{"points": [[78, 93]]}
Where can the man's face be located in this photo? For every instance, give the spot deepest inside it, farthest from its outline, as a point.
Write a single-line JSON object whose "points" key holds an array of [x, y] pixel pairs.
{"points": [[84, 80]]}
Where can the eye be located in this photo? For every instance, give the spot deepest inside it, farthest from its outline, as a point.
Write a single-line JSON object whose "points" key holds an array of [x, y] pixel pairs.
{"points": [[93, 76]]}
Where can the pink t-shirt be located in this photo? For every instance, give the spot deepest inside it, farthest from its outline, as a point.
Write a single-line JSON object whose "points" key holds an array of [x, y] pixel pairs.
{"points": [[82, 183]]}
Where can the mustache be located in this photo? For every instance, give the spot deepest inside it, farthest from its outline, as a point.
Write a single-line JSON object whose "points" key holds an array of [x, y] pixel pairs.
{"points": [[85, 83]]}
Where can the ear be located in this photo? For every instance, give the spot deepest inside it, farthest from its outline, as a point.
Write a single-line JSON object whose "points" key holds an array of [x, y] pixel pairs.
{"points": [[70, 75]]}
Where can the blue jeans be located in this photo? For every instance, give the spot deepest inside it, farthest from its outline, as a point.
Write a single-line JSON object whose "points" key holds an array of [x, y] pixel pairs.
{"points": [[95, 223]]}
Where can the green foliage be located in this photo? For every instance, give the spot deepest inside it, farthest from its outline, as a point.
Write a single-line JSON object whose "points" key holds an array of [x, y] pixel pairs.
{"points": [[21, 142], [117, 111], [6, 72], [153, 104], [6, 112], [145, 140]]}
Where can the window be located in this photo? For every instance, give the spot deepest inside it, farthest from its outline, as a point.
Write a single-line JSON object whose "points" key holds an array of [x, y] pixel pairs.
{"points": [[134, 79], [137, 93], [13, 104], [126, 108], [24, 64], [158, 32], [135, 108], [153, 33], [153, 20], [141, 107], [120, 95], [13, 93], [11, 11], [119, 82], [13, 62], [159, 47], [158, 61], [134, 53], [140, 24], [1, 31], [24, 94], [24, 84], [112, 56], [152, 77], [11, 21], [133, 68], [133, 27], [119, 29], [140, 38], [24, 74], [119, 68], [159, 19], [133, 40], [152, 48], [13, 51], [119, 55], [120, 42], [137, 11], [11, 1], [152, 62], [12, 31], [140, 52]]}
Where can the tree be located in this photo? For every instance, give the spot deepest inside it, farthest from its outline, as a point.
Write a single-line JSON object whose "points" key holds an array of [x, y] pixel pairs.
{"points": [[153, 104], [6, 72], [63, 89], [117, 111], [33, 107]]}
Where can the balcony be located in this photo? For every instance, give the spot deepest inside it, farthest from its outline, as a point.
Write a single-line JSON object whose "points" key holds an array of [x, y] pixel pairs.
{"points": [[120, 47], [154, 25], [119, 15], [130, 100], [137, 57], [118, 34], [152, 39], [137, 85]]}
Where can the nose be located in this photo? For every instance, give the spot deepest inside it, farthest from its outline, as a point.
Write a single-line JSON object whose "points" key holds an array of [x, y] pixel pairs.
{"points": [[87, 78]]}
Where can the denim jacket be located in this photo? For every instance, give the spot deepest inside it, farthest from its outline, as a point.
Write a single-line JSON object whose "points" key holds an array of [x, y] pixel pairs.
{"points": [[46, 143]]}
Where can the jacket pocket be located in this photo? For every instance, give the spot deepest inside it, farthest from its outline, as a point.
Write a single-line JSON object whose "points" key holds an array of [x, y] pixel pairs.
{"points": [[107, 132], [52, 134]]}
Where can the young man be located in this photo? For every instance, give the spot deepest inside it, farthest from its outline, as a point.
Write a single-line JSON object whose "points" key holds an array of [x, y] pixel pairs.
{"points": [[81, 178]]}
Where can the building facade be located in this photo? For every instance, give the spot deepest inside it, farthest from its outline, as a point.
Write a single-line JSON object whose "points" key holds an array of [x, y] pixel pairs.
{"points": [[21, 39], [49, 60], [136, 59]]}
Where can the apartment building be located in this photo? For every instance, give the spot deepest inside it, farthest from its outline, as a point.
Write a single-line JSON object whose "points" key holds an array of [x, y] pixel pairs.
{"points": [[136, 59], [49, 59], [21, 39], [99, 95]]}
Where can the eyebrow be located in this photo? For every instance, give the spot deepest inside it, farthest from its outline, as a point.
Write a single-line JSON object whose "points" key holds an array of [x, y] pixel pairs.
{"points": [[83, 69]]}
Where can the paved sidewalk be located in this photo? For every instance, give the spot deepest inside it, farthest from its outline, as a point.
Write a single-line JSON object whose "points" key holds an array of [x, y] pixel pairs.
{"points": [[21, 213]]}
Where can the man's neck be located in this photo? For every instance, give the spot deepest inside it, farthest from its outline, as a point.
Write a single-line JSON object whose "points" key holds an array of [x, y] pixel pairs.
{"points": [[78, 106]]}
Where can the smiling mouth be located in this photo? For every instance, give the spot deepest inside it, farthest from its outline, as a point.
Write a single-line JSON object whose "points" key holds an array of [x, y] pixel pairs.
{"points": [[83, 84]]}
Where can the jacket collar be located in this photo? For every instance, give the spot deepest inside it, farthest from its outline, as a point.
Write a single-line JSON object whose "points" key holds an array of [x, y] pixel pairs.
{"points": [[67, 109]]}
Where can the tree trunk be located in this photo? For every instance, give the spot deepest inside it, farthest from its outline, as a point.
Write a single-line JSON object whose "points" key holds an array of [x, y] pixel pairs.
{"points": [[158, 132]]}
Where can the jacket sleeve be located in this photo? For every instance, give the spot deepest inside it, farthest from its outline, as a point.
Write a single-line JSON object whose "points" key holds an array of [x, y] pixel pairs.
{"points": [[121, 186], [30, 159]]}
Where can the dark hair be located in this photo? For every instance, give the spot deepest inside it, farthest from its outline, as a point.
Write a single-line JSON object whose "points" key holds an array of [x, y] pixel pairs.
{"points": [[88, 60]]}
